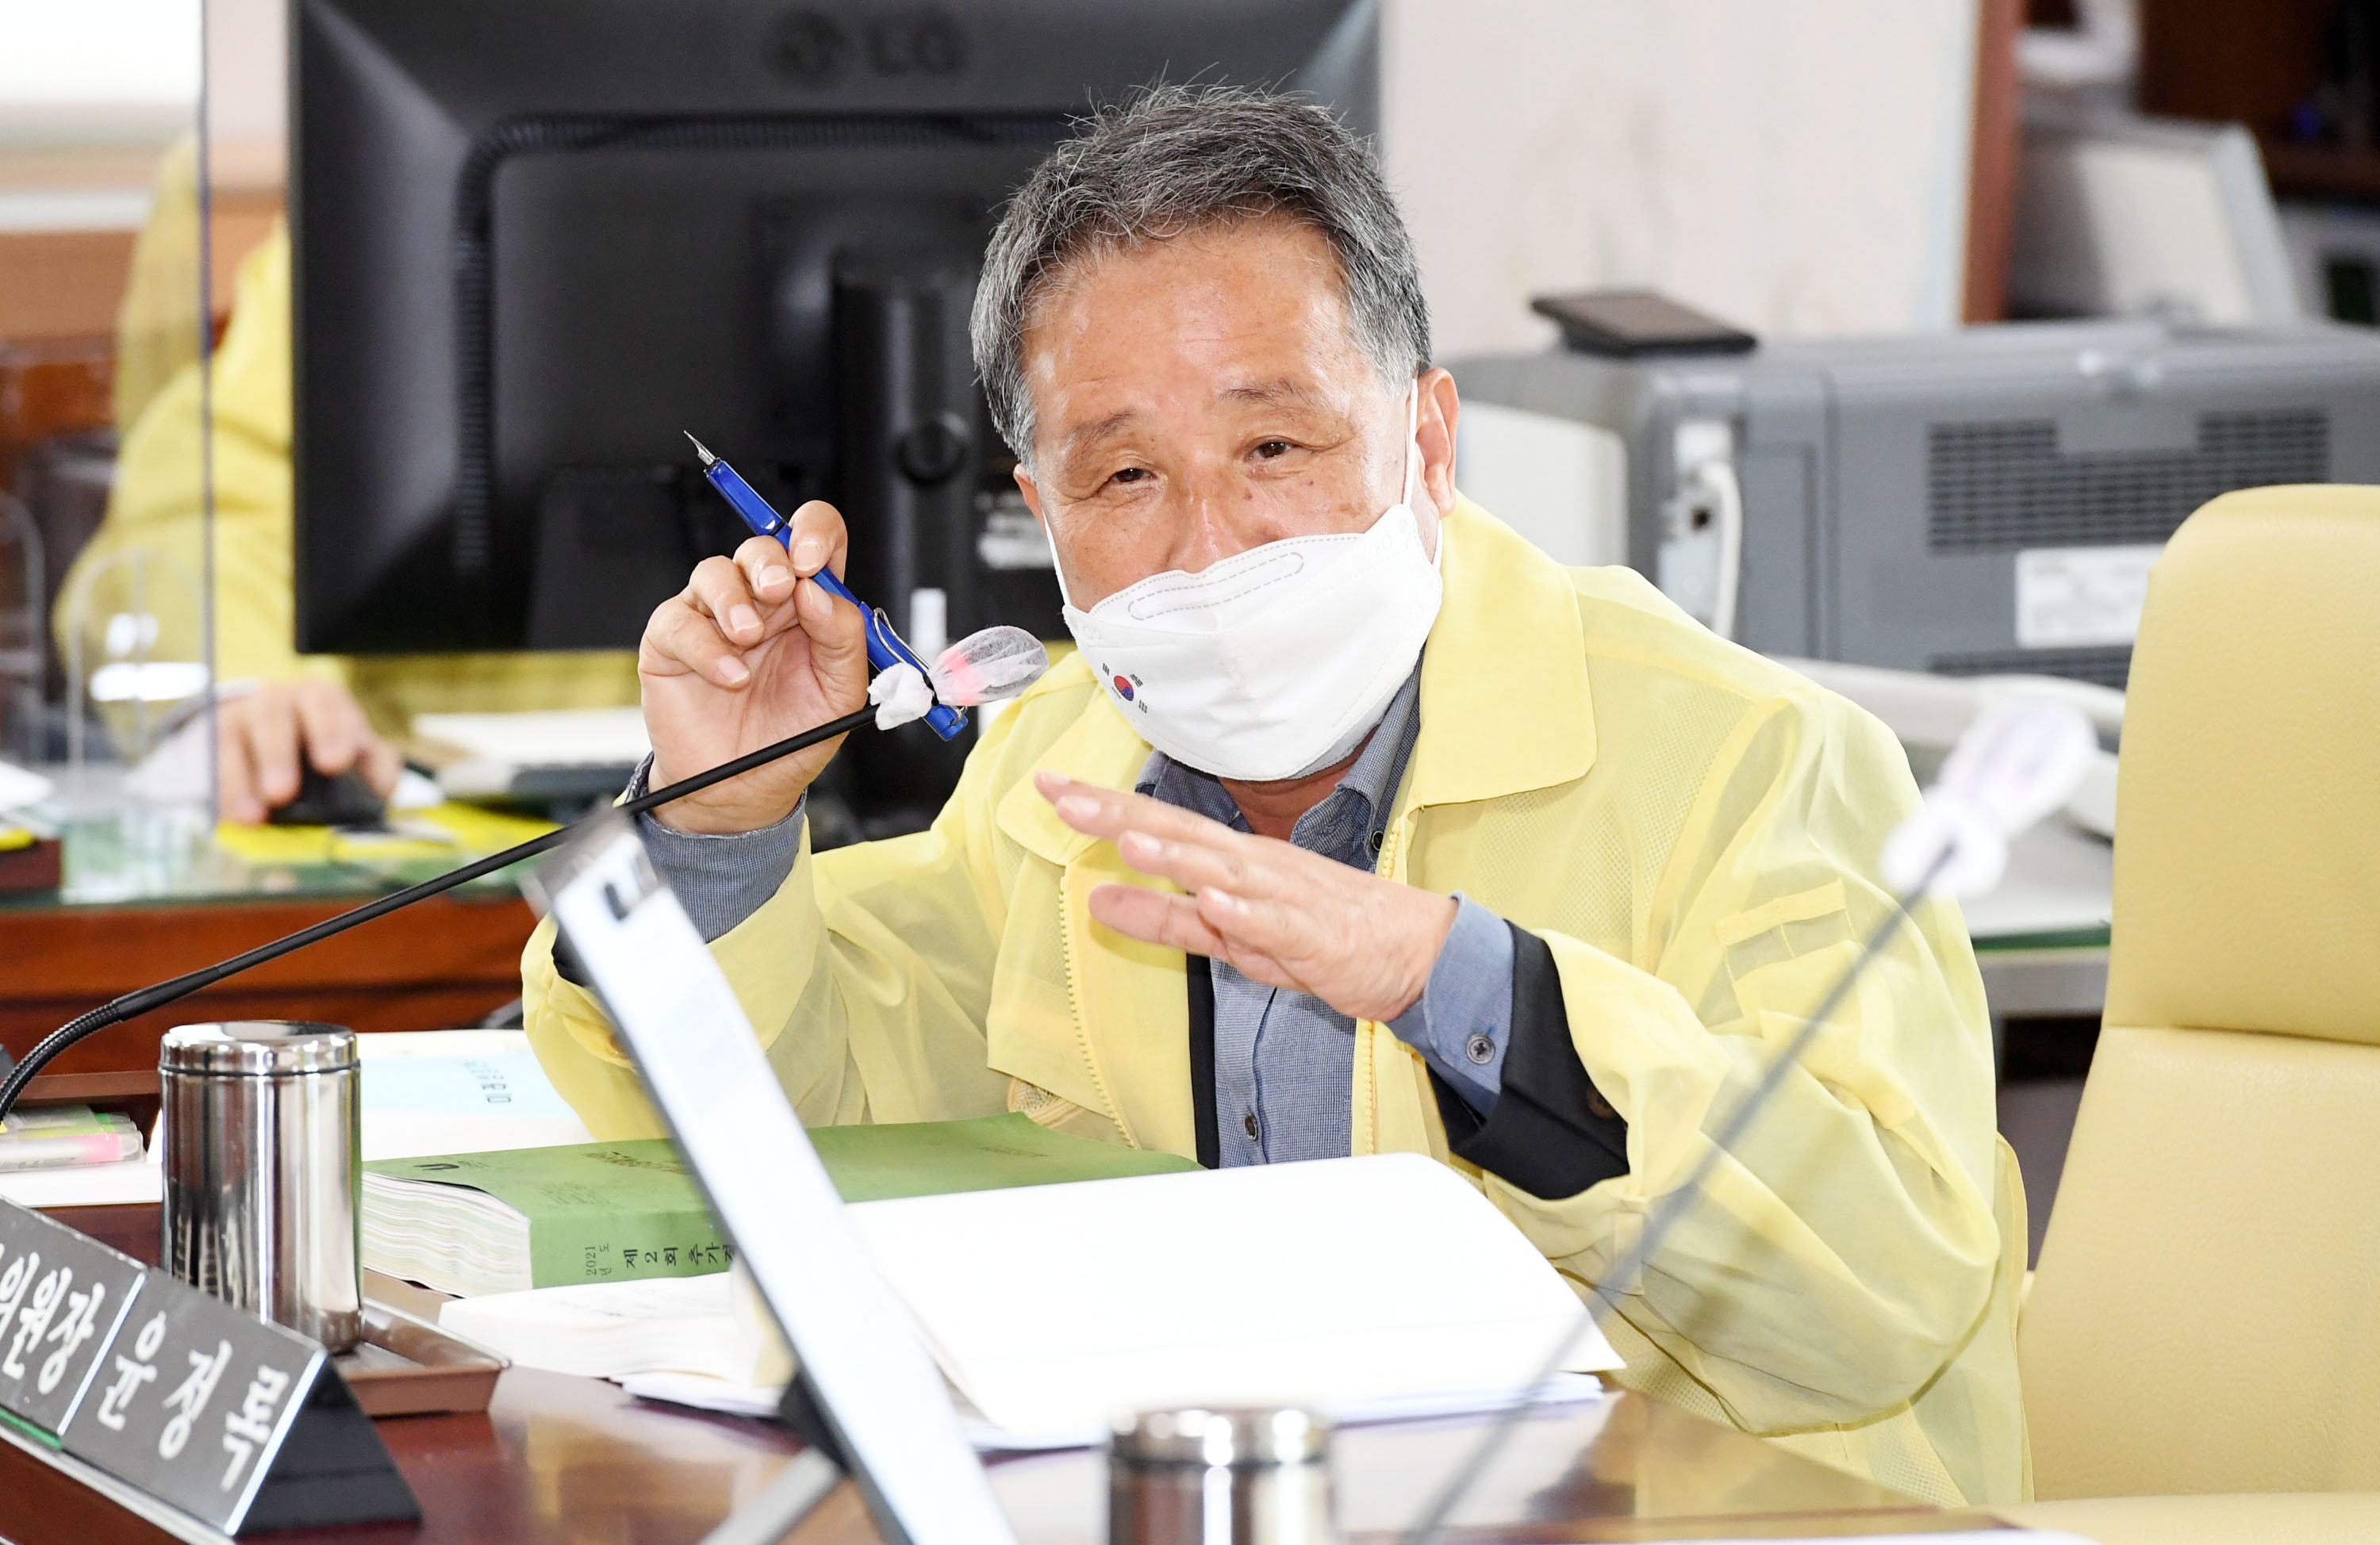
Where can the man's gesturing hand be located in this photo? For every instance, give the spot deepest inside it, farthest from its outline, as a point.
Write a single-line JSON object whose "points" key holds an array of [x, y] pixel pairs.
{"points": [[1284, 916]]}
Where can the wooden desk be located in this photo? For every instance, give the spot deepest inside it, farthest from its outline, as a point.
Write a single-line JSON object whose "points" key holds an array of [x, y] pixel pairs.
{"points": [[565, 1461], [445, 962], [560, 1460]]}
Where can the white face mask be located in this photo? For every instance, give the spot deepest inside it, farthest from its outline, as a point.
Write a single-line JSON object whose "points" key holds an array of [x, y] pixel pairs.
{"points": [[1277, 661]]}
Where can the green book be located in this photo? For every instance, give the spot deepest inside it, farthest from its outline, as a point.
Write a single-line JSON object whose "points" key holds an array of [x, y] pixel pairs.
{"points": [[606, 1212]]}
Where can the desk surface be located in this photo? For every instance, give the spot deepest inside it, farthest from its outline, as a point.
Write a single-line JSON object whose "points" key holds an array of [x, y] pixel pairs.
{"points": [[150, 893], [447, 961], [559, 1459], [118, 852], [566, 1459]]}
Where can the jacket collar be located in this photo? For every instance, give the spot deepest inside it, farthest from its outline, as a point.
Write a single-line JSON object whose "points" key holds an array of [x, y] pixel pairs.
{"points": [[1505, 704], [1099, 748]]}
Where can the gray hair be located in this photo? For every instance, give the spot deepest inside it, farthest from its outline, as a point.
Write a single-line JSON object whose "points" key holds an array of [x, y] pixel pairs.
{"points": [[1175, 159]]}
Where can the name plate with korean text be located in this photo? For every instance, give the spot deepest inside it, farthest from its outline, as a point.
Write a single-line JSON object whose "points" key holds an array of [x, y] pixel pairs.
{"points": [[237, 1424]]}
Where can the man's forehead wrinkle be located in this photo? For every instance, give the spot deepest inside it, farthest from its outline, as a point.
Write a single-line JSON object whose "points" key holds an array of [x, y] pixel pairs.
{"points": [[1281, 389], [1277, 390], [1084, 435], [1243, 319]]}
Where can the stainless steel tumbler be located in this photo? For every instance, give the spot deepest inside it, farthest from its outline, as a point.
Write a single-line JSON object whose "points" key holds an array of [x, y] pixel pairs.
{"points": [[263, 1171], [1196, 1477]]}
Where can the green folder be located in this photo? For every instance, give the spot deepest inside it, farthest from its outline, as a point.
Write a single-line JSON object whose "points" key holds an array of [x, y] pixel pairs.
{"points": [[602, 1211]]}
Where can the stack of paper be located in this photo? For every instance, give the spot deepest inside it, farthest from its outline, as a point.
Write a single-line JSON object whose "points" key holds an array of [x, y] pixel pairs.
{"points": [[601, 1211], [538, 1217], [129, 1181], [1339, 1280], [1375, 1287], [56, 1137]]}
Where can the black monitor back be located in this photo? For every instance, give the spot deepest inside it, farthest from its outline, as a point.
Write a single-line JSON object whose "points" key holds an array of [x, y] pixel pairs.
{"points": [[536, 240]]}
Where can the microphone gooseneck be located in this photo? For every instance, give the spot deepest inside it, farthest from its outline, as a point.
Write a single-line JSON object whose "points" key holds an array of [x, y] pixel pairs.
{"points": [[142, 1000], [1620, 1280], [2012, 767]]}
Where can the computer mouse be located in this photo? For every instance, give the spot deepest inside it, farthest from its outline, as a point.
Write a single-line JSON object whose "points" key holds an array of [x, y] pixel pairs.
{"points": [[333, 800]]}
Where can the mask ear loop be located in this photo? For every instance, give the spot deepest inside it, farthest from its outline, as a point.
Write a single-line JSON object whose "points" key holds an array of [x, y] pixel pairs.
{"points": [[1057, 565], [1412, 445], [1413, 472]]}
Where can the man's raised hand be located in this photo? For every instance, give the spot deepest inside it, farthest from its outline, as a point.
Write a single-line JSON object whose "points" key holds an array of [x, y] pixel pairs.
{"points": [[752, 651], [1284, 916]]}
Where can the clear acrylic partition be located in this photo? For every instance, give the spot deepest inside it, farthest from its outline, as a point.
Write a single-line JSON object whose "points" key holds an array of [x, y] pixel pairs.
{"points": [[116, 259], [143, 162]]}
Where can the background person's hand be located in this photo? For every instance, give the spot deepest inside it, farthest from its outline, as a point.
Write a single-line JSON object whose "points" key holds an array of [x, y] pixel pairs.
{"points": [[1284, 916], [259, 737], [752, 651]]}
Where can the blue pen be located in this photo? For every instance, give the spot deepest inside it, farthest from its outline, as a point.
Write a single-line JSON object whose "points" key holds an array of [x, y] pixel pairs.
{"points": [[885, 648]]}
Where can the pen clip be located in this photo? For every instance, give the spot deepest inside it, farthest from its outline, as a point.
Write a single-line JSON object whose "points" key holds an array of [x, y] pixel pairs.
{"points": [[881, 627]]}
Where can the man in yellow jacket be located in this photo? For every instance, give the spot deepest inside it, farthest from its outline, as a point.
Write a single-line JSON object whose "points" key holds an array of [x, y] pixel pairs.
{"points": [[1354, 832]]}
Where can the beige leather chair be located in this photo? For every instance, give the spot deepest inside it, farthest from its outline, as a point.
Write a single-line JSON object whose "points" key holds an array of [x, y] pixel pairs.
{"points": [[2205, 1321]]}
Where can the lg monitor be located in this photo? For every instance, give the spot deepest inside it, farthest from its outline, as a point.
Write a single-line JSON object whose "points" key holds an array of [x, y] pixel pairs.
{"points": [[537, 241]]}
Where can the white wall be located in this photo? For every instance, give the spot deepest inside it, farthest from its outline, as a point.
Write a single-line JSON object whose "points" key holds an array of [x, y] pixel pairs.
{"points": [[96, 72], [247, 60], [81, 72], [1795, 167]]}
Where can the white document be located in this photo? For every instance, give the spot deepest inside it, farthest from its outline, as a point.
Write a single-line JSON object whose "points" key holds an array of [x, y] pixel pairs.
{"points": [[1053, 1307], [684, 1325], [459, 1092], [476, 754], [130, 1183], [424, 1092], [404, 1135], [1373, 1288]]}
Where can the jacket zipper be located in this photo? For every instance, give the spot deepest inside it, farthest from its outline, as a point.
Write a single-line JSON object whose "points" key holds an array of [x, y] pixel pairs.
{"points": [[1391, 850], [1074, 1003]]}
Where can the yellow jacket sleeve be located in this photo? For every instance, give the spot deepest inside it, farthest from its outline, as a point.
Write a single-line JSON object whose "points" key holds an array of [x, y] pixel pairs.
{"points": [[157, 321], [157, 505], [1694, 833], [867, 977], [1850, 1233]]}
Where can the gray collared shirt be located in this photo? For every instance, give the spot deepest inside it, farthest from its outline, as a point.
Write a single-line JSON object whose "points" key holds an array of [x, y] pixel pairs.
{"points": [[1284, 1060]]}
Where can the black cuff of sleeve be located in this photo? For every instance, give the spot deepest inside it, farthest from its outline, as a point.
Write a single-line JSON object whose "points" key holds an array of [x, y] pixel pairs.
{"points": [[1551, 1132], [566, 963]]}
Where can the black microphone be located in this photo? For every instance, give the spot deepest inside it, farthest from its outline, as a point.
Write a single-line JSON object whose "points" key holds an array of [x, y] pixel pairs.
{"points": [[141, 1001]]}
